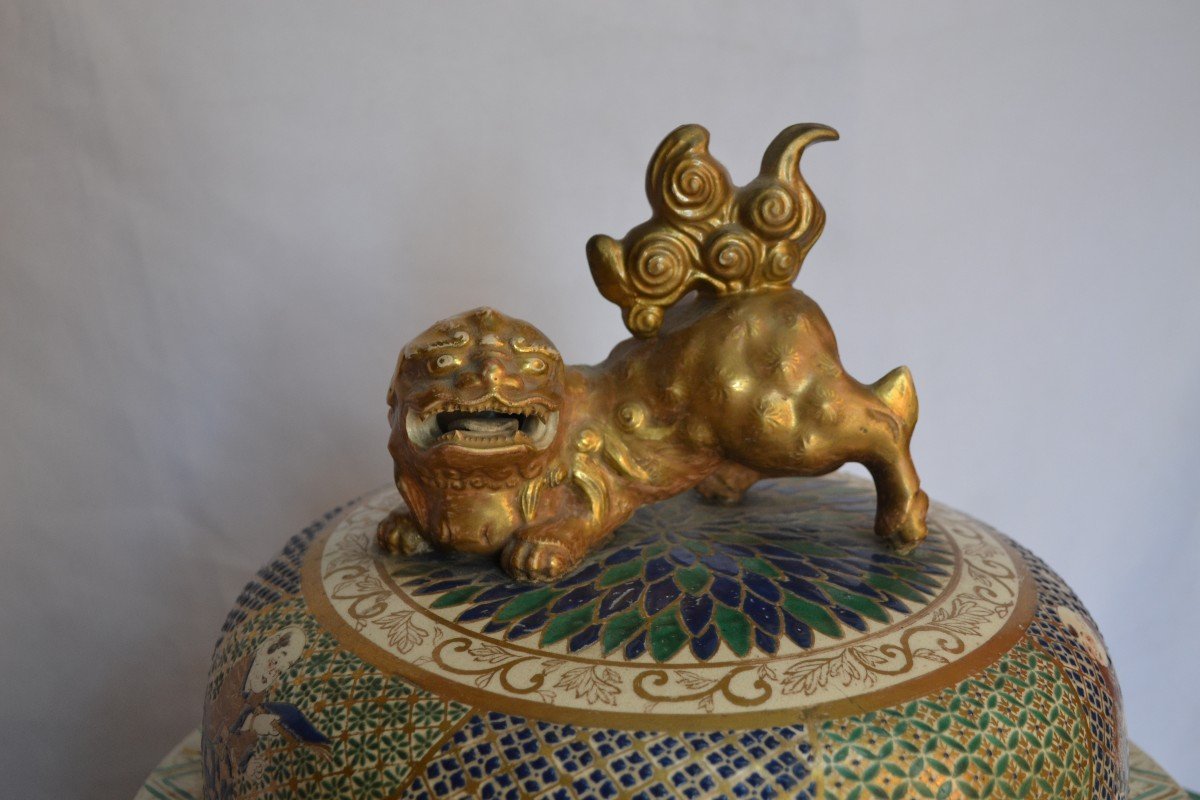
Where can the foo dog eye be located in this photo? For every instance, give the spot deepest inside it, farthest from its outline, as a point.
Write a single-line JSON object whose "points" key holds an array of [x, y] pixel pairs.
{"points": [[443, 363], [535, 365]]}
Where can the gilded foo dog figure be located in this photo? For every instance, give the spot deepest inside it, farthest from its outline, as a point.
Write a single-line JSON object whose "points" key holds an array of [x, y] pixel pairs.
{"points": [[501, 448]]}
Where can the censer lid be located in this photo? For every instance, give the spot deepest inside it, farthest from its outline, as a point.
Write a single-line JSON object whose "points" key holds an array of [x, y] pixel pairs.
{"points": [[542, 607], [693, 617], [772, 646]]}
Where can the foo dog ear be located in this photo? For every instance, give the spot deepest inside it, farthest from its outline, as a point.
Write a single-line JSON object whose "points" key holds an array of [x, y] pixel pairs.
{"points": [[706, 234], [393, 399]]}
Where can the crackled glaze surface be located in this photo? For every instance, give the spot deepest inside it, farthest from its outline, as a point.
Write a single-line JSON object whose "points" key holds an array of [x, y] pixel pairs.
{"points": [[772, 649]]}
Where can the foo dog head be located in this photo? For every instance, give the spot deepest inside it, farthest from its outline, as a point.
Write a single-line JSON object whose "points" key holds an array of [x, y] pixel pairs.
{"points": [[474, 404]]}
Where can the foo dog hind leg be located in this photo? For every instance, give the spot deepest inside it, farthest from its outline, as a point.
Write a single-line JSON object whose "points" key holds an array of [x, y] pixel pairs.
{"points": [[728, 483], [888, 416], [841, 420]]}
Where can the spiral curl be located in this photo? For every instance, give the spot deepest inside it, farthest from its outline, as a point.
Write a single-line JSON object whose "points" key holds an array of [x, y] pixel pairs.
{"points": [[694, 187], [732, 253], [782, 262], [588, 441], [707, 234], [631, 416], [771, 210], [659, 263], [644, 320]]}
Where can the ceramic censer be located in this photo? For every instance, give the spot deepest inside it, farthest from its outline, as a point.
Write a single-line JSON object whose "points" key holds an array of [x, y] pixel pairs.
{"points": [[541, 606]]}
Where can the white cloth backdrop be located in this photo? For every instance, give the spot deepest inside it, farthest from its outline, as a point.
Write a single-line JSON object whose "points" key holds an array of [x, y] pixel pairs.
{"points": [[219, 221]]}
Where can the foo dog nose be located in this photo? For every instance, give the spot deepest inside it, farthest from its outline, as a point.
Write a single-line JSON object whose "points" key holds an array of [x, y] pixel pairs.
{"points": [[494, 375]]}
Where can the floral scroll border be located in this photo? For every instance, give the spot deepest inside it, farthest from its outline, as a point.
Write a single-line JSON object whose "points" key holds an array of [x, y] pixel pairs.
{"points": [[993, 596]]}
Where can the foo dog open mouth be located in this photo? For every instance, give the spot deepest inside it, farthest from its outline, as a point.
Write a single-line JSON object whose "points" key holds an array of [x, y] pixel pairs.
{"points": [[732, 376], [491, 424]]}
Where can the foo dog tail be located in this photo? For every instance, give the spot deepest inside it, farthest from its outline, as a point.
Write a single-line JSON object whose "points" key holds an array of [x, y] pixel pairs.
{"points": [[896, 391], [706, 233]]}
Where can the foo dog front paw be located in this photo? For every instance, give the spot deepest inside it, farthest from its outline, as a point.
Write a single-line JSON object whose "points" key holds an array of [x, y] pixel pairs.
{"points": [[907, 529], [537, 560], [398, 533]]}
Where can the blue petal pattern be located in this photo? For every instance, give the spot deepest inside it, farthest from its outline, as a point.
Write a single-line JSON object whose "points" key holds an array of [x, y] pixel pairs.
{"points": [[784, 575], [696, 612]]}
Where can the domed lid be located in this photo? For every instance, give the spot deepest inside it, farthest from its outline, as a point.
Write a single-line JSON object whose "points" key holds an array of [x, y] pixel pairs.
{"points": [[706, 650], [693, 617], [822, 638]]}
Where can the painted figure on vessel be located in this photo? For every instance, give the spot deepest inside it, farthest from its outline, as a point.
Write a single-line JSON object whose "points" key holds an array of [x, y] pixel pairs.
{"points": [[242, 714]]}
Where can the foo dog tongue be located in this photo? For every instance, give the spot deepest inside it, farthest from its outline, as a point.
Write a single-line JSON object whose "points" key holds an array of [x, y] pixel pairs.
{"points": [[485, 422]]}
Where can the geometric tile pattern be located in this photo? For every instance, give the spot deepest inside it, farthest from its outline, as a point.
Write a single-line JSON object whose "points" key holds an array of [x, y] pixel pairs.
{"points": [[503, 756], [292, 714], [376, 725], [1015, 730], [372, 720], [1095, 683], [280, 578], [179, 776]]}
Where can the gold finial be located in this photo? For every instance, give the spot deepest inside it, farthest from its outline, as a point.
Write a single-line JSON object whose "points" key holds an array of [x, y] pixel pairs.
{"points": [[501, 448]]}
